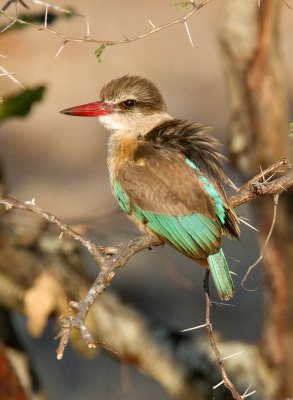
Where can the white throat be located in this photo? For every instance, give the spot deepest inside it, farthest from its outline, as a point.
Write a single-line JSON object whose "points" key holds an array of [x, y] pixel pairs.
{"points": [[128, 128], [136, 124]]}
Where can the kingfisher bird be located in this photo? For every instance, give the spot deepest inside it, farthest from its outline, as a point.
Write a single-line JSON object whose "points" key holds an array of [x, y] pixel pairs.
{"points": [[166, 174]]}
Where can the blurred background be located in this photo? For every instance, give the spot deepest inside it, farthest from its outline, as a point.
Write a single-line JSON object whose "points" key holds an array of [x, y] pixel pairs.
{"points": [[61, 162]]}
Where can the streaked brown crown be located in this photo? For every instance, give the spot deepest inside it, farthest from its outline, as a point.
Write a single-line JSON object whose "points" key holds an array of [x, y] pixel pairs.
{"points": [[142, 91]]}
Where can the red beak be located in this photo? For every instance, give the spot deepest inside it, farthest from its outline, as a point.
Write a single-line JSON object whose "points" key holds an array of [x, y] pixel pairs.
{"points": [[94, 109]]}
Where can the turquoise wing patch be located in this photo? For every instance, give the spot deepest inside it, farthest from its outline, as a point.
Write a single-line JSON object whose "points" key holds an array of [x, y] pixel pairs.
{"points": [[194, 235], [211, 191], [121, 196]]}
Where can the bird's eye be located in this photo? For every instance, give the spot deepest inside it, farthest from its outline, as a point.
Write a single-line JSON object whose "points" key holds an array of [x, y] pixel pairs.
{"points": [[129, 104]]}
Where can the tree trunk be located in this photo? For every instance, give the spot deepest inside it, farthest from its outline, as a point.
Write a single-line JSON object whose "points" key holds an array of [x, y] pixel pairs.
{"points": [[258, 136]]}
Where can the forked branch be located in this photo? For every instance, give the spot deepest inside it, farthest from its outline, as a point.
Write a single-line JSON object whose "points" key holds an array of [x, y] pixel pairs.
{"points": [[272, 181]]}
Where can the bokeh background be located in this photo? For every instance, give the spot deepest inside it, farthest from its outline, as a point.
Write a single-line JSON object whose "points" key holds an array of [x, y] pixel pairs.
{"points": [[61, 162]]}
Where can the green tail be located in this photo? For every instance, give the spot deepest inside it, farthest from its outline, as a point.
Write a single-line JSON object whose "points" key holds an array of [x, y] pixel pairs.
{"points": [[221, 275]]}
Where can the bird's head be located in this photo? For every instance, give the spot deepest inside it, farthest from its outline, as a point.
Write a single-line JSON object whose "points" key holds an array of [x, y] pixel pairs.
{"points": [[130, 103]]}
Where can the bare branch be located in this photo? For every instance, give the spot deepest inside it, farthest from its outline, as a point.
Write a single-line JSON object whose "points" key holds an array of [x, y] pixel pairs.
{"points": [[226, 380], [94, 250], [110, 259], [256, 187], [252, 266]]}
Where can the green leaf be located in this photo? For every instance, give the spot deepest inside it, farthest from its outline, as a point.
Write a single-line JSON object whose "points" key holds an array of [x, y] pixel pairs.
{"points": [[184, 4], [19, 105], [99, 52]]}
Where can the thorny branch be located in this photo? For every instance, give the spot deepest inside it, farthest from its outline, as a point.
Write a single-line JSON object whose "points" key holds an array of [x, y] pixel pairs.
{"points": [[196, 5], [226, 381], [114, 257], [252, 266]]}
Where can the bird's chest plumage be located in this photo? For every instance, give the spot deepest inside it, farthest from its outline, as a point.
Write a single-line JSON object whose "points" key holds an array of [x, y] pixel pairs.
{"points": [[121, 150], [122, 159]]}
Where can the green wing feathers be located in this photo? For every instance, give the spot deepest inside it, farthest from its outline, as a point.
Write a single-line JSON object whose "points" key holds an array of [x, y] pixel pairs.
{"points": [[221, 275], [195, 235], [189, 216]]}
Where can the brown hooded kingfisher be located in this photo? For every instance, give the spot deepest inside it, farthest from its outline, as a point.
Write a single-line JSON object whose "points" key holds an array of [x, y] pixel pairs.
{"points": [[166, 174]]}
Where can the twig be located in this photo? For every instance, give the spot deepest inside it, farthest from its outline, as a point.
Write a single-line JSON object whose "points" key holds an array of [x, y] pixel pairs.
{"points": [[256, 187], [114, 257], [94, 250], [252, 266], [227, 382], [88, 39]]}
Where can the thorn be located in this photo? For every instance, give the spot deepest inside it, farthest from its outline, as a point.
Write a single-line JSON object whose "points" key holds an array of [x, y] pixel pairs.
{"points": [[188, 33], [218, 384], [258, 1], [60, 237], [252, 266], [247, 390], [232, 272], [282, 187], [46, 16], [232, 184], [246, 394], [87, 27], [1, 55], [10, 76], [245, 218], [194, 328], [233, 355], [246, 223], [261, 170], [249, 394], [8, 26], [270, 177], [234, 259], [61, 48], [152, 25], [7, 74]]}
